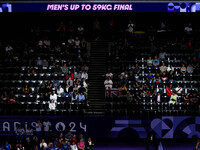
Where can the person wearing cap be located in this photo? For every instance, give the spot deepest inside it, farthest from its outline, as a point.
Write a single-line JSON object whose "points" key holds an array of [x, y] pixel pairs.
{"points": [[173, 98]]}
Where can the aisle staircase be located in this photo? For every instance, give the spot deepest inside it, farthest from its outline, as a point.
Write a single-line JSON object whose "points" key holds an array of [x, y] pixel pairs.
{"points": [[97, 68]]}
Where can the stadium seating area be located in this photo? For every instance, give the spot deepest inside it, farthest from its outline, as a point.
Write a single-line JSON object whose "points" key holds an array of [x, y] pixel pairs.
{"points": [[28, 79], [144, 88]]}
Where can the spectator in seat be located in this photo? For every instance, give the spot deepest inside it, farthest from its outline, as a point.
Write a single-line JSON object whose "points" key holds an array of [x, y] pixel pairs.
{"points": [[156, 62], [28, 145], [70, 42], [11, 97], [73, 139], [183, 69], [77, 75], [57, 69], [81, 145], [47, 43], [136, 69], [51, 146], [7, 146], [77, 43], [70, 74], [73, 146], [137, 97], [55, 143], [109, 74], [122, 90], [80, 30], [85, 67], [55, 84], [173, 98], [9, 49], [136, 85], [170, 69], [162, 55], [81, 98], [4, 96], [60, 91], [57, 48], [83, 43], [187, 98], [85, 85], [108, 83], [178, 89], [65, 146], [131, 26], [194, 98], [84, 75], [163, 68], [69, 82], [149, 77], [190, 69], [81, 89], [131, 77], [25, 90], [36, 142], [74, 98], [152, 90], [90, 144], [158, 97], [164, 77], [43, 144], [45, 64], [149, 62], [39, 62], [64, 69], [53, 97], [188, 29], [68, 136], [195, 63], [51, 61]]}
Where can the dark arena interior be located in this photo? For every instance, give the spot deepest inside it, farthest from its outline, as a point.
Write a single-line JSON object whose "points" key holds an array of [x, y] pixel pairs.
{"points": [[128, 80]]}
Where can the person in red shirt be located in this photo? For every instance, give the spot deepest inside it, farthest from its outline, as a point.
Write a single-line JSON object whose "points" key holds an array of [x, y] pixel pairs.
{"points": [[70, 74], [74, 139]]}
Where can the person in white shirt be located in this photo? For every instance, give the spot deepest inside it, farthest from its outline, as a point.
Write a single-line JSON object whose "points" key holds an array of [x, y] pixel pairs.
{"points": [[130, 26], [71, 41], [52, 105], [178, 89], [8, 48], [108, 83], [73, 146], [85, 83], [46, 125], [109, 74], [19, 133], [53, 97], [38, 129], [84, 75], [60, 91], [77, 43], [80, 29], [43, 144], [188, 29]]}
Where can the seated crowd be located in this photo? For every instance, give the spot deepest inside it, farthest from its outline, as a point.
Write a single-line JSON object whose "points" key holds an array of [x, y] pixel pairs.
{"points": [[51, 71], [159, 73]]}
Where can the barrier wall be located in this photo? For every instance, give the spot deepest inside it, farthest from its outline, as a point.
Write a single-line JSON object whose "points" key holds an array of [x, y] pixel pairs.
{"points": [[109, 127]]}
